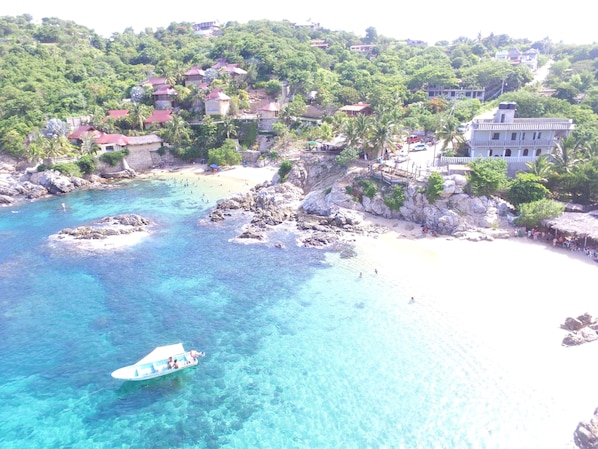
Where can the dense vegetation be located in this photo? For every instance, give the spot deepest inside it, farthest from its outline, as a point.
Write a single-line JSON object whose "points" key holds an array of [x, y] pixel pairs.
{"points": [[57, 70]]}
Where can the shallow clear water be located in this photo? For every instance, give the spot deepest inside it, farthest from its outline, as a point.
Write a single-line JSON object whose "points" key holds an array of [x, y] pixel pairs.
{"points": [[302, 352]]}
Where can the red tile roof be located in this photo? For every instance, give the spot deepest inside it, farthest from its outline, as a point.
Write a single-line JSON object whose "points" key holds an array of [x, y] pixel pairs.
{"points": [[195, 71], [165, 90], [115, 139], [217, 94], [154, 81], [76, 134], [118, 113], [159, 116]]}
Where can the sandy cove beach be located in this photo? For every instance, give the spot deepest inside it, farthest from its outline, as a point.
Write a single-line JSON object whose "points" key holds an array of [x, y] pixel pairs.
{"points": [[508, 297]]}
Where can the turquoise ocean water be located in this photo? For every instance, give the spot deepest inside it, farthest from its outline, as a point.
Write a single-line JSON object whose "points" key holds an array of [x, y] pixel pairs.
{"points": [[302, 352]]}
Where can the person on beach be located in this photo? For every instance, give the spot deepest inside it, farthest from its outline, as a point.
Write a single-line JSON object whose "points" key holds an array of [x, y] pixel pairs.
{"points": [[412, 300]]}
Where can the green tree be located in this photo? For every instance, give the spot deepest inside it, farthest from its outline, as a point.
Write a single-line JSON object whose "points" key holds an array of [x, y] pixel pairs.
{"points": [[487, 176], [566, 154], [525, 188], [177, 131], [532, 214], [227, 154], [346, 157]]}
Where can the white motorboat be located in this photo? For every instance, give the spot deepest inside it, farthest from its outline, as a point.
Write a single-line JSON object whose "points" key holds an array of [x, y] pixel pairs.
{"points": [[161, 361]]}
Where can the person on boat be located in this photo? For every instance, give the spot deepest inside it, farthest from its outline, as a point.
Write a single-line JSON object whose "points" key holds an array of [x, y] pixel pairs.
{"points": [[171, 363]]}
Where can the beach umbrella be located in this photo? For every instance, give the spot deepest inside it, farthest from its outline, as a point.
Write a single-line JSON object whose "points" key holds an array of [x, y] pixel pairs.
{"points": [[214, 165]]}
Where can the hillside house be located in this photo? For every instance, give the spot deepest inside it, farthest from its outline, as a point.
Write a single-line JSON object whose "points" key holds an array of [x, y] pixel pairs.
{"points": [[77, 136], [519, 140], [217, 103], [353, 110], [194, 76], [528, 58], [164, 97], [207, 29], [457, 93]]}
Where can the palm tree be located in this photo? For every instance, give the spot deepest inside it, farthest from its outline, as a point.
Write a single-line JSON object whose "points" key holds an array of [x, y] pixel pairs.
{"points": [[566, 154], [229, 128], [363, 129], [350, 131], [177, 131], [382, 133], [450, 135], [138, 113], [541, 167]]}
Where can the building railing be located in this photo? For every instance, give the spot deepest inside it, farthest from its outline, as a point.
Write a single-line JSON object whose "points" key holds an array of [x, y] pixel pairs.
{"points": [[465, 160], [513, 144]]}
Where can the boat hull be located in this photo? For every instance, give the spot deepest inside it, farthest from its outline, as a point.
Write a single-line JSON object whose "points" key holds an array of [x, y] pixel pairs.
{"points": [[158, 368]]}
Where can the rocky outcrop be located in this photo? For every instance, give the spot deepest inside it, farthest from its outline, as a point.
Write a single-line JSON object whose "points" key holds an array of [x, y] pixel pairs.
{"points": [[581, 330], [32, 184], [586, 434], [108, 227]]}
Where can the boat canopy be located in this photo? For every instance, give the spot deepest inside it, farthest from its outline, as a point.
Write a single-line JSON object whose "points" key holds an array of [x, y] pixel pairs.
{"points": [[162, 353]]}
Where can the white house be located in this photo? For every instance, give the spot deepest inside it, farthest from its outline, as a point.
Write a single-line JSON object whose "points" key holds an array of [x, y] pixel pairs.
{"points": [[510, 137]]}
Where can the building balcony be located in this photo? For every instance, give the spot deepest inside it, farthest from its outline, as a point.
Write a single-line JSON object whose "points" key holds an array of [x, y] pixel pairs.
{"points": [[513, 144]]}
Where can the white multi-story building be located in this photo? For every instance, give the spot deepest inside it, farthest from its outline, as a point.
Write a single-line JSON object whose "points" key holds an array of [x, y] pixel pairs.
{"points": [[507, 136]]}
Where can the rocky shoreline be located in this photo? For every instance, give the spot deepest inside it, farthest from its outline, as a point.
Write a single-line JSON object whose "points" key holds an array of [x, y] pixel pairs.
{"points": [[315, 199], [18, 184]]}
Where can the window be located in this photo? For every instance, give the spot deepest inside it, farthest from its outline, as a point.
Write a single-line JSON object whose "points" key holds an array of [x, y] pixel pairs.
{"points": [[534, 136], [495, 136], [489, 153], [526, 152], [538, 152], [513, 136], [508, 152], [522, 136], [539, 135], [502, 118], [109, 148]]}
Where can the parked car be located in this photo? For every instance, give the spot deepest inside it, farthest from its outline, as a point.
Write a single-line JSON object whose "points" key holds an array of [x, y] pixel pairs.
{"points": [[419, 147], [413, 139]]}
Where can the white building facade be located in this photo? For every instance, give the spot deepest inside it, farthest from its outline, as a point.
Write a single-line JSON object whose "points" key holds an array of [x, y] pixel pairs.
{"points": [[507, 136]]}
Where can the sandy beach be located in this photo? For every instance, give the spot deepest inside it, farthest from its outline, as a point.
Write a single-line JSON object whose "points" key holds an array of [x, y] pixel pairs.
{"points": [[509, 297]]}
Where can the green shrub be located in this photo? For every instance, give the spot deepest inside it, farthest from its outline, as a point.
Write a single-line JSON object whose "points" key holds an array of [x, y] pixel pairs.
{"points": [[284, 169], [67, 169], [526, 188], [349, 190], [487, 176], [532, 214], [328, 190], [346, 157], [435, 183], [87, 164], [42, 167], [396, 199], [227, 154], [113, 158], [369, 189]]}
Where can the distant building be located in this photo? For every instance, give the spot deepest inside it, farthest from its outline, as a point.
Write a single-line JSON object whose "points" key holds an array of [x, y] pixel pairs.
{"points": [[363, 48], [456, 93], [319, 43], [507, 136], [207, 29], [528, 58], [164, 97], [309, 24], [353, 110], [416, 43]]}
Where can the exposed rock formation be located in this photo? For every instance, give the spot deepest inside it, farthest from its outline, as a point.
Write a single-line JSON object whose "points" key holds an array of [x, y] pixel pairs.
{"points": [[30, 184], [112, 232], [582, 330], [316, 197], [586, 434]]}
